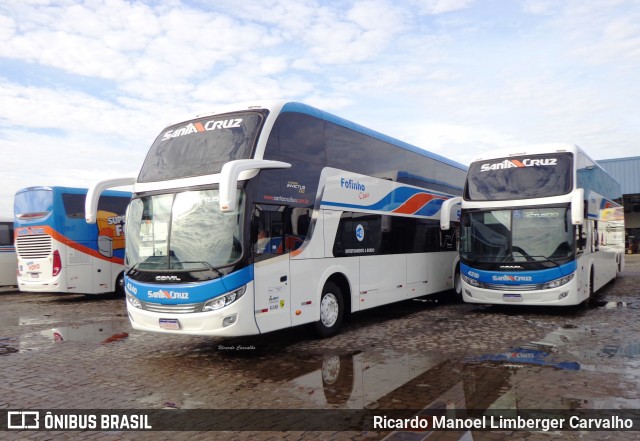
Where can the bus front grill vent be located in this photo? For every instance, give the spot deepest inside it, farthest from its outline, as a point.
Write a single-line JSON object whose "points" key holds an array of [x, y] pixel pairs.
{"points": [[172, 309]]}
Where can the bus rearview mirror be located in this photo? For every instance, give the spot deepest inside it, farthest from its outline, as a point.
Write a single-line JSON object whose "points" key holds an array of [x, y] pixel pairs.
{"points": [[577, 206]]}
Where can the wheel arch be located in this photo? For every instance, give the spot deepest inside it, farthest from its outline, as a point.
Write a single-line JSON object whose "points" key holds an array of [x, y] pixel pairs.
{"points": [[342, 281]]}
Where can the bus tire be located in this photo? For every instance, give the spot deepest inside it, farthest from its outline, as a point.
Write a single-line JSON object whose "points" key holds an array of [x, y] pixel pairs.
{"points": [[457, 285], [590, 301], [119, 291], [331, 311]]}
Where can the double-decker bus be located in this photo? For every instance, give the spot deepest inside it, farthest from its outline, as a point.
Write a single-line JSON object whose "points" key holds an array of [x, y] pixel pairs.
{"points": [[8, 262], [264, 216], [540, 225], [58, 251]]}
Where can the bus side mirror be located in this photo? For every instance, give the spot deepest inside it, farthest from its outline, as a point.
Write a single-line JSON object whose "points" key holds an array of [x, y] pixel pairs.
{"points": [[94, 192], [577, 207], [445, 212], [230, 174]]}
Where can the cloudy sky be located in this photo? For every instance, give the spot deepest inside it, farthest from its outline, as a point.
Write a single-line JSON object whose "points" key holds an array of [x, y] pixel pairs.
{"points": [[85, 86]]}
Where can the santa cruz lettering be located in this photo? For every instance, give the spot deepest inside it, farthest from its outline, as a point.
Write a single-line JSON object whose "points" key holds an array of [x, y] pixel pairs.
{"points": [[509, 278], [513, 163], [202, 127], [162, 294]]}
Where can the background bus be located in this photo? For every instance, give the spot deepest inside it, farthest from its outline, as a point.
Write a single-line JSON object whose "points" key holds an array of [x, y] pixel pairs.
{"points": [[261, 217], [58, 251], [540, 226], [8, 262]]}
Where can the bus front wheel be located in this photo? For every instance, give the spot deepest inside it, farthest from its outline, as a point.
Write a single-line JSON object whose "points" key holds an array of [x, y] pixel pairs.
{"points": [[119, 291], [331, 311], [457, 284]]}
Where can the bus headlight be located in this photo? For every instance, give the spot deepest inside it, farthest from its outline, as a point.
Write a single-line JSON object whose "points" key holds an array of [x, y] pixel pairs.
{"points": [[558, 282], [133, 300], [222, 301], [470, 281]]}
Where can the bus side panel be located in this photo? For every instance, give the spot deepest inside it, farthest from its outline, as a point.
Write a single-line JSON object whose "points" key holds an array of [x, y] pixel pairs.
{"points": [[272, 289], [102, 276], [440, 263], [8, 265], [584, 262], [418, 276], [387, 274]]}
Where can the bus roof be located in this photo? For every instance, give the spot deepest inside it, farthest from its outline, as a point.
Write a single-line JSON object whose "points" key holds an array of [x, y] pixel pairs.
{"points": [[73, 190], [531, 149], [304, 108], [279, 106]]}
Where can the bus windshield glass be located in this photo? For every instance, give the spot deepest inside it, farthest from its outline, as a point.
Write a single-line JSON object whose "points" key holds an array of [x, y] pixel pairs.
{"points": [[517, 236], [523, 177], [33, 203], [183, 231], [202, 146]]}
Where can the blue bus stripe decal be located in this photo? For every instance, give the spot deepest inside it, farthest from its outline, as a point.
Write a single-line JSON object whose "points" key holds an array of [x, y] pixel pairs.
{"points": [[175, 294]]}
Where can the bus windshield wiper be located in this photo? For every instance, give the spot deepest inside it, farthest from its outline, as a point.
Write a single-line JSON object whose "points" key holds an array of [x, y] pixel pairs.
{"points": [[207, 265]]}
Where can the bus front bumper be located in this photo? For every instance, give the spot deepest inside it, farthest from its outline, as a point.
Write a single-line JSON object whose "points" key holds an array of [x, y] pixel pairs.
{"points": [[564, 295], [234, 320]]}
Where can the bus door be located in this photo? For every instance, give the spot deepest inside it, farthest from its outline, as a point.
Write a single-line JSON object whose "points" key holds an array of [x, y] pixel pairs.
{"points": [[272, 285]]}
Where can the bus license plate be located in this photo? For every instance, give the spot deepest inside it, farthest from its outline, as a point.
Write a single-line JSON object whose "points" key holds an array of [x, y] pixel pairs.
{"points": [[172, 324], [511, 298]]}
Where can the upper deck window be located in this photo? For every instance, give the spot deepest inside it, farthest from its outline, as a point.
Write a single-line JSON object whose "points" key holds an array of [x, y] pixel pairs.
{"points": [[522, 177], [201, 146]]}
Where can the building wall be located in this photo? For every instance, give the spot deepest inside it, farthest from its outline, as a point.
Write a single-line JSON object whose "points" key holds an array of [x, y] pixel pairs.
{"points": [[631, 220], [626, 171]]}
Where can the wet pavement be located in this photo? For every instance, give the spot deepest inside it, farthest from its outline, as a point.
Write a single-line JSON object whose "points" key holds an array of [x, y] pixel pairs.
{"points": [[79, 352]]}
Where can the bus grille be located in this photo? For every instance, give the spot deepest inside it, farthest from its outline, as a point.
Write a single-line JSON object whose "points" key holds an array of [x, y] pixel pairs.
{"points": [[187, 308], [34, 247], [499, 287]]}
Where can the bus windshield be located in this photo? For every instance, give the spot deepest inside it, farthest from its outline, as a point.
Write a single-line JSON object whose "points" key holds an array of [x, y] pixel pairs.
{"points": [[523, 177], [517, 235], [182, 231], [202, 146]]}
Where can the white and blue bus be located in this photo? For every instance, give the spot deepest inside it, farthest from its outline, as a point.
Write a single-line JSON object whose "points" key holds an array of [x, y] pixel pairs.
{"points": [[58, 251], [265, 216], [540, 225], [8, 261]]}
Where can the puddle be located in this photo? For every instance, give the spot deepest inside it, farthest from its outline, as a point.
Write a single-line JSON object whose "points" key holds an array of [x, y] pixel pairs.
{"points": [[371, 381], [106, 332], [103, 333], [7, 322], [627, 350], [7, 346], [615, 304], [526, 356]]}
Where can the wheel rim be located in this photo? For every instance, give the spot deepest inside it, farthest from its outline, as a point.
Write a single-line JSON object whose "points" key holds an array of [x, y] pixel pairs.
{"points": [[329, 309]]}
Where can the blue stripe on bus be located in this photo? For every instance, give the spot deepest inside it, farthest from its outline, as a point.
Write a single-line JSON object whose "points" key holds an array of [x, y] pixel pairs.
{"points": [[516, 278], [176, 294], [395, 199]]}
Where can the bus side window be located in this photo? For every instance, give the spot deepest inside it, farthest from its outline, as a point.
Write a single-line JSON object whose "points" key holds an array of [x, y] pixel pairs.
{"points": [[6, 233], [268, 230]]}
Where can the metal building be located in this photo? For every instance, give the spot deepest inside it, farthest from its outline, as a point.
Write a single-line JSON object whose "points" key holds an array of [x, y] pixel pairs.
{"points": [[627, 172]]}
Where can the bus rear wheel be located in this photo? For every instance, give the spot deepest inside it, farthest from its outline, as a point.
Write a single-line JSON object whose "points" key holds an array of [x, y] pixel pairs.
{"points": [[331, 311]]}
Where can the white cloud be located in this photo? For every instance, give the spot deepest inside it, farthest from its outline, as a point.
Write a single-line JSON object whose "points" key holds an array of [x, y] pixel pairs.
{"points": [[443, 6]]}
